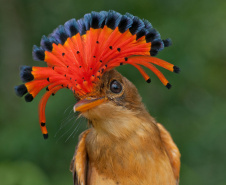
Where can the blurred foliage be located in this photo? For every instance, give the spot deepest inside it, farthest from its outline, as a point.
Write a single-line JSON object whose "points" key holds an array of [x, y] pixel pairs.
{"points": [[193, 110]]}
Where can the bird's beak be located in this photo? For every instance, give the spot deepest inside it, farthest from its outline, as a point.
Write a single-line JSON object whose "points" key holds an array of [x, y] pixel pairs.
{"points": [[88, 103]]}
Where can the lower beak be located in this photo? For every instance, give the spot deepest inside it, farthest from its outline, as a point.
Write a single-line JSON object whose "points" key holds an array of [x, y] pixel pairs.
{"points": [[88, 103]]}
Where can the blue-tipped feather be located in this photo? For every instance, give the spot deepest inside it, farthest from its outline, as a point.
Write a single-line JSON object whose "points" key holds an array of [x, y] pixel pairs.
{"points": [[125, 23], [113, 19], [45, 136], [87, 20], [60, 34], [38, 53], [47, 42], [104, 14], [20, 90], [129, 15], [147, 24], [157, 45], [168, 85], [97, 19], [167, 42], [152, 35], [25, 73], [154, 52], [81, 26], [137, 25], [28, 97], [141, 33], [176, 69], [71, 27]]}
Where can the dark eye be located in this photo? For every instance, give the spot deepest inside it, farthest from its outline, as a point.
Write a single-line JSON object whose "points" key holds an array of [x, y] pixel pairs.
{"points": [[115, 87]]}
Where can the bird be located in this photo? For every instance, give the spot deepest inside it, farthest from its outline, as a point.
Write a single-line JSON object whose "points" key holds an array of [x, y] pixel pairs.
{"points": [[124, 144]]}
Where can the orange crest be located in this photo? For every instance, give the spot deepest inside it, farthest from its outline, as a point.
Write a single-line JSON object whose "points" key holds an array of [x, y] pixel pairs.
{"points": [[80, 52]]}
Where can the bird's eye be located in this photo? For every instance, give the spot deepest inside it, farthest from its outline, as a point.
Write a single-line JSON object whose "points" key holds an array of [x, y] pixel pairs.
{"points": [[115, 87]]}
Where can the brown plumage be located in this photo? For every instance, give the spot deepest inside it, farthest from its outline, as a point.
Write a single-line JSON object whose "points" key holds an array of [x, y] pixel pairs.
{"points": [[124, 144]]}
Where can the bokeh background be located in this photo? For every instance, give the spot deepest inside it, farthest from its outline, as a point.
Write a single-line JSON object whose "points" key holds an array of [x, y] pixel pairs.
{"points": [[194, 110]]}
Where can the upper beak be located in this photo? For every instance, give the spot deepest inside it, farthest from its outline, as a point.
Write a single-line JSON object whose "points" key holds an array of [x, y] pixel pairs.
{"points": [[88, 103]]}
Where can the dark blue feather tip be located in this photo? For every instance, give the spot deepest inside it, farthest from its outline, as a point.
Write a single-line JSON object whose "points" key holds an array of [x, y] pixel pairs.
{"points": [[125, 23], [176, 69], [25, 73], [113, 19], [147, 24], [104, 14], [86, 19], [148, 80], [152, 35], [60, 34], [45, 136], [154, 52], [157, 45], [71, 27], [97, 19], [129, 15], [137, 25], [20, 90], [28, 97], [167, 42], [38, 53], [141, 33], [82, 26], [47, 42], [168, 85]]}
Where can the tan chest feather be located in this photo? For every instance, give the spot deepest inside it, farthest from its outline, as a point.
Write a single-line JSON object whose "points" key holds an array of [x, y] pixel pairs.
{"points": [[94, 178], [148, 178], [133, 168]]}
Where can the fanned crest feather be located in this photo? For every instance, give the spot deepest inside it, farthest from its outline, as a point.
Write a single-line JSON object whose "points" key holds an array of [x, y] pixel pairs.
{"points": [[80, 52]]}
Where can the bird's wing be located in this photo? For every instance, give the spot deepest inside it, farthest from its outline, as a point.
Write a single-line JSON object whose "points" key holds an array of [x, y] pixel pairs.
{"points": [[79, 163], [171, 149]]}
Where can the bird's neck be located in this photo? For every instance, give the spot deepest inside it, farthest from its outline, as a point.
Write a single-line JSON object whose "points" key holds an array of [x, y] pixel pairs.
{"points": [[130, 146]]}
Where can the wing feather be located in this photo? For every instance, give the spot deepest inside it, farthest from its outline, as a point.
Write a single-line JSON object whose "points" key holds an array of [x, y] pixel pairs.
{"points": [[79, 163], [171, 150]]}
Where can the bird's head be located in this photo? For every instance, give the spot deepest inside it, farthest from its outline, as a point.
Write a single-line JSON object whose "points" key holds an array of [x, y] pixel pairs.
{"points": [[113, 100], [111, 91], [81, 56]]}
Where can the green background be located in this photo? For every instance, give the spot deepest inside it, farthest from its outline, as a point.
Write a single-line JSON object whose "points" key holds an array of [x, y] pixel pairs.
{"points": [[193, 110]]}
